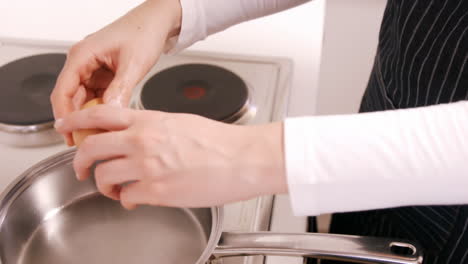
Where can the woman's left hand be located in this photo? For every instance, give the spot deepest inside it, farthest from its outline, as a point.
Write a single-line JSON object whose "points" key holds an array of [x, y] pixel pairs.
{"points": [[177, 160]]}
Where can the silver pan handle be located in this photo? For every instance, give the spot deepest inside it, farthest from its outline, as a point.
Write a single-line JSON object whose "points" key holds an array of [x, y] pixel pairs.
{"points": [[322, 246]]}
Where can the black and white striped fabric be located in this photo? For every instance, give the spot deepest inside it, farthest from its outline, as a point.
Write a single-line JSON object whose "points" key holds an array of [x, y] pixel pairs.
{"points": [[421, 60], [421, 57]]}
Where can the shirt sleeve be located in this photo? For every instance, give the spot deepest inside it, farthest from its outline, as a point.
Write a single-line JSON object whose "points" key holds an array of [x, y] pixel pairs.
{"points": [[378, 160], [201, 18]]}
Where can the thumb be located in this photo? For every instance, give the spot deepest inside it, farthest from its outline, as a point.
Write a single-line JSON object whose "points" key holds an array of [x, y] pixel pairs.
{"points": [[119, 91]]}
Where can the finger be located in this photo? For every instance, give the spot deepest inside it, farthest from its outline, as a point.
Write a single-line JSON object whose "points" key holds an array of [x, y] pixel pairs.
{"points": [[110, 175], [127, 76], [77, 101], [97, 117], [140, 192], [79, 98], [80, 63], [65, 88], [100, 147], [69, 139]]}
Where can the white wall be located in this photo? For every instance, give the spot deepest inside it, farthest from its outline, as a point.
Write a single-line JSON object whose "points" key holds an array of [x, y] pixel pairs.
{"points": [[350, 41]]}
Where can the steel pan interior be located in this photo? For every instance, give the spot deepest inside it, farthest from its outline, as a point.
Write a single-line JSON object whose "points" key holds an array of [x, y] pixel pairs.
{"points": [[47, 216]]}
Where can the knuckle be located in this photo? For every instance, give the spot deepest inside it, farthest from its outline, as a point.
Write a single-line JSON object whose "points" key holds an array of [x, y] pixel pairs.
{"points": [[56, 95], [77, 48], [53, 99], [53, 95], [139, 141], [78, 162], [87, 144], [100, 175]]}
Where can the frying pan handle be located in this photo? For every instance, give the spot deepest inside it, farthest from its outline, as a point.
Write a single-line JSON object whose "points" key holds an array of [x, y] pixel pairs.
{"points": [[322, 246]]}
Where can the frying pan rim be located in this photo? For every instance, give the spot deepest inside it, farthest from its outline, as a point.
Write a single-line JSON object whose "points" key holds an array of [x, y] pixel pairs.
{"points": [[28, 177]]}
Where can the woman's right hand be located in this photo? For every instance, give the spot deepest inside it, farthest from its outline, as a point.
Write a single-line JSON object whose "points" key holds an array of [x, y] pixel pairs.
{"points": [[110, 62]]}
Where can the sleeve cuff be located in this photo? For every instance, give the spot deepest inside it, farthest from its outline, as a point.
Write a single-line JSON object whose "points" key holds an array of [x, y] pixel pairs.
{"points": [[301, 182], [193, 27]]}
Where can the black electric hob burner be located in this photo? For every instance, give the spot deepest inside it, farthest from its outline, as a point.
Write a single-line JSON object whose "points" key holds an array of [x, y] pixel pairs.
{"points": [[25, 88], [201, 89]]}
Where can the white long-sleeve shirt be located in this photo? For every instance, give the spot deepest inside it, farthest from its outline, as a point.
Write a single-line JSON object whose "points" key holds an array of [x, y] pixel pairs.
{"points": [[359, 161]]}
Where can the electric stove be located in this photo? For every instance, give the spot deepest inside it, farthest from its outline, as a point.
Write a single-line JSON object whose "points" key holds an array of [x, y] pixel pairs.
{"points": [[230, 88]]}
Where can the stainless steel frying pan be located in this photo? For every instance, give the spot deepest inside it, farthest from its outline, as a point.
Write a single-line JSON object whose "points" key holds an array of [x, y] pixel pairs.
{"points": [[48, 217]]}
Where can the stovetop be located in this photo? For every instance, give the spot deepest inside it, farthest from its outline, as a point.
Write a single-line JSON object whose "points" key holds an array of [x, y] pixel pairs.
{"points": [[268, 82]]}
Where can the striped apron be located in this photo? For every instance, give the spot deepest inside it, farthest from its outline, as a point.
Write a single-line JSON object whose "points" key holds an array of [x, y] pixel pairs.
{"points": [[421, 60]]}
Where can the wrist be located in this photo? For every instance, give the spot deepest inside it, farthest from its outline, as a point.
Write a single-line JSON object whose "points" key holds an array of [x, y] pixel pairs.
{"points": [[171, 10], [268, 150]]}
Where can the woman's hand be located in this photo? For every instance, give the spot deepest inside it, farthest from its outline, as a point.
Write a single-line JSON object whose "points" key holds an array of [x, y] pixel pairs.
{"points": [[111, 62], [178, 160]]}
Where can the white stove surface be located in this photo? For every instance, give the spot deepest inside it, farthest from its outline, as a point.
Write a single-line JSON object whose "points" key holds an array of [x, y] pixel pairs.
{"points": [[268, 80]]}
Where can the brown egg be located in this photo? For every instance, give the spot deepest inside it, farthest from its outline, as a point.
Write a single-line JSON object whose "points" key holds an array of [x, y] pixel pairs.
{"points": [[80, 135]]}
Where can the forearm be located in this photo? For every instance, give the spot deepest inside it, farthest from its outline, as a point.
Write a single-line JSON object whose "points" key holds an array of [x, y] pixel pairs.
{"points": [[201, 18], [378, 160]]}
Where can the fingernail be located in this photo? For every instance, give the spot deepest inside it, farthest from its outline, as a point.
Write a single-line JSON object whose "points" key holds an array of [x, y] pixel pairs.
{"points": [[58, 123]]}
